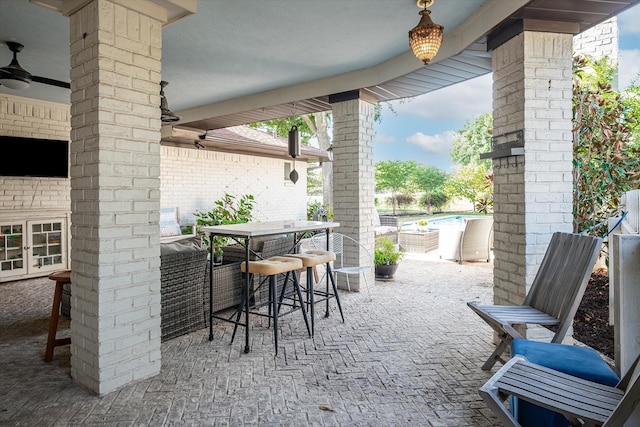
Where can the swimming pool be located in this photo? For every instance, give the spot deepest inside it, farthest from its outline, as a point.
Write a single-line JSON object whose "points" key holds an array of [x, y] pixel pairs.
{"points": [[436, 223]]}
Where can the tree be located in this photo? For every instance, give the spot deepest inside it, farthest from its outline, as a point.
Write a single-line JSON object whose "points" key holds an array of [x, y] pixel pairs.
{"points": [[319, 123], [471, 182], [604, 165], [395, 176], [430, 180], [309, 125], [472, 140]]}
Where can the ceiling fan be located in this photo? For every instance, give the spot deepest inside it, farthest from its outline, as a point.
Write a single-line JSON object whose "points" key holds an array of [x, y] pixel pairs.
{"points": [[15, 77]]}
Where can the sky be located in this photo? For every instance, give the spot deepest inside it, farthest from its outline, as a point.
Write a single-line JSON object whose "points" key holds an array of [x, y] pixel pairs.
{"points": [[422, 128]]}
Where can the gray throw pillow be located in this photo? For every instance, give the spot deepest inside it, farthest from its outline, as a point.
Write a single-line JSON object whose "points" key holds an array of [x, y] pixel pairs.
{"points": [[188, 244]]}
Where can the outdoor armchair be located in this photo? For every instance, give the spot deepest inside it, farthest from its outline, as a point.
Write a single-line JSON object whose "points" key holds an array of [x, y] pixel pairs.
{"points": [[471, 242]]}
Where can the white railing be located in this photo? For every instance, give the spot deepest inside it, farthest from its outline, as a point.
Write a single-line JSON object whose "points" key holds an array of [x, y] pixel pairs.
{"points": [[624, 281]]}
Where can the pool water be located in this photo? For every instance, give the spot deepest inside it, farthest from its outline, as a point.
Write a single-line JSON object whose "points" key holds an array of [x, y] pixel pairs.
{"points": [[436, 223]]}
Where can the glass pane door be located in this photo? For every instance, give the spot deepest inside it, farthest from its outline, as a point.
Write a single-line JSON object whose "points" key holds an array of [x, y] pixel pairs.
{"points": [[12, 256], [47, 245]]}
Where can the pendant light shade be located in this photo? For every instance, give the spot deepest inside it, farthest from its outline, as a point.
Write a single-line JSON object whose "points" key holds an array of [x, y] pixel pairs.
{"points": [[425, 39], [294, 142]]}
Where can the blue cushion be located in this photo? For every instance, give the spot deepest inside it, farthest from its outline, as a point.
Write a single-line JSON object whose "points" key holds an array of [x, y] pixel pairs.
{"points": [[581, 362]]}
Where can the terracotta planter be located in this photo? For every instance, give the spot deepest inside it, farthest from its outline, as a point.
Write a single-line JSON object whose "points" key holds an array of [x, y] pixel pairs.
{"points": [[385, 271]]}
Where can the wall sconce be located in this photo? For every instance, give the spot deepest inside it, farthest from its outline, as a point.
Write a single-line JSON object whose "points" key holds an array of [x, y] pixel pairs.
{"points": [[294, 151], [167, 116], [425, 39]]}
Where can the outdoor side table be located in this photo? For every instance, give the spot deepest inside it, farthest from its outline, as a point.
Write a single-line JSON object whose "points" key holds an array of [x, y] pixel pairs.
{"points": [[418, 241], [61, 277]]}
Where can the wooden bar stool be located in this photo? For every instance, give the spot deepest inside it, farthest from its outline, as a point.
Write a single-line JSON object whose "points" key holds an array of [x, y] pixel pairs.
{"points": [[61, 278], [272, 267], [310, 260]]}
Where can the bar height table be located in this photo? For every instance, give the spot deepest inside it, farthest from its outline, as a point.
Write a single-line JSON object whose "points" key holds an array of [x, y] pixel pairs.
{"points": [[247, 231]]}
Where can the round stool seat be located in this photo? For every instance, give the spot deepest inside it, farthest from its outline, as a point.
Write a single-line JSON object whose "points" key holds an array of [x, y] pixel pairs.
{"points": [[314, 257], [273, 265], [63, 276]]}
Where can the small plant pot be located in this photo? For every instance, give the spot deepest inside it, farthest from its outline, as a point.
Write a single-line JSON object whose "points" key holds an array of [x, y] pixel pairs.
{"points": [[386, 271], [217, 260]]}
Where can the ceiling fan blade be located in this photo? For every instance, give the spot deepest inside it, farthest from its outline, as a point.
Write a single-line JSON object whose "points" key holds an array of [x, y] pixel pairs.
{"points": [[51, 82]]}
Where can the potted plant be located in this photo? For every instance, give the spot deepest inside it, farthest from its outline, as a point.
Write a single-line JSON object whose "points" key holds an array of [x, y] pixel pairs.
{"points": [[385, 258], [217, 255], [422, 225]]}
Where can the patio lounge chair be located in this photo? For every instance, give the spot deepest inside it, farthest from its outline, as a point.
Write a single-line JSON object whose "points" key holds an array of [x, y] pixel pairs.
{"points": [[581, 401], [554, 296], [470, 243], [385, 226]]}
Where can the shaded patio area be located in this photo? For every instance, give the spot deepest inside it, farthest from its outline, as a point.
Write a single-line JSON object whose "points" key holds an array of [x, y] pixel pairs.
{"points": [[411, 356]]}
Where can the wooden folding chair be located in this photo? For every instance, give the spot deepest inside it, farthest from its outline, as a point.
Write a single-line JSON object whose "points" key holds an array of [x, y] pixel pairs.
{"points": [[554, 296], [582, 402]]}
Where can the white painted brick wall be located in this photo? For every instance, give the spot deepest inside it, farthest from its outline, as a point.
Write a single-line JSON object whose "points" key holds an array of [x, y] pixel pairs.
{"points": [[193, 179], [599, 41], [25, 117]]}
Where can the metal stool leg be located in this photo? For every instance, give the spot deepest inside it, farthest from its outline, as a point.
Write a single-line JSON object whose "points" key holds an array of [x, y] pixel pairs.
{"points": [[296, 284], [240, 308], [335, 293], [274, 305]]}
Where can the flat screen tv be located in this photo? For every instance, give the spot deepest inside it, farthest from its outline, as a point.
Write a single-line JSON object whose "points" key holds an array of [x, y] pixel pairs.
{"points": [[34, 157]]}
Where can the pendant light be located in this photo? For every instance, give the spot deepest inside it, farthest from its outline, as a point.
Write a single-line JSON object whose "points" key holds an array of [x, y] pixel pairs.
{"points": [[426, 37], [294, 151]]}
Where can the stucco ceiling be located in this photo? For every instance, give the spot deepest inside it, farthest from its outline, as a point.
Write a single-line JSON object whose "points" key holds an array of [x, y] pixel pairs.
{"points": [[237, 61]]}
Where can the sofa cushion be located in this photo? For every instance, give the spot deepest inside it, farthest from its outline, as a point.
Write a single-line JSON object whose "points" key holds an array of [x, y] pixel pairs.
{"points": [[187, 244]]}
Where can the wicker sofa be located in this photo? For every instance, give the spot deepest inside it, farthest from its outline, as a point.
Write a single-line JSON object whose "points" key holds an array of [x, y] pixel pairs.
{"points": [[182, 273]]}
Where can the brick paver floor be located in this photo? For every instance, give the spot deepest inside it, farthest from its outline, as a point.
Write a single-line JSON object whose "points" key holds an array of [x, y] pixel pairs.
{"points": [[410, 356]]}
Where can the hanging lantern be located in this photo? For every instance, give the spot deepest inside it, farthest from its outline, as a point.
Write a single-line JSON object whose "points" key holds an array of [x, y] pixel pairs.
{"points": [[294, 142], [294, 151]]}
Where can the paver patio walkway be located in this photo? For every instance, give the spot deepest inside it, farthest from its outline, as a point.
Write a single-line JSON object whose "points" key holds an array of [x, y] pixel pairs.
{"points": [[409, 357]]}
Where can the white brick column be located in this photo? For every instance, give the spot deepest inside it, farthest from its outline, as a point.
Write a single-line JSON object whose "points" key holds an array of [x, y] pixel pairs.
{"points": [[532, 192], [599, 41], [353, 175], [115, 166]]}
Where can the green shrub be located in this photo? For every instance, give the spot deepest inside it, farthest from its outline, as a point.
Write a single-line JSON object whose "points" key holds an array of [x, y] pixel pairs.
{"points": [[228, 210]]}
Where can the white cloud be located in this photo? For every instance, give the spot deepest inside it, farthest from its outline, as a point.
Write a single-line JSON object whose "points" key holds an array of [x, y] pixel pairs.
{"points": [[628, 20], [628, 67], [439, 144], [462, 101], [384, 138]]}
